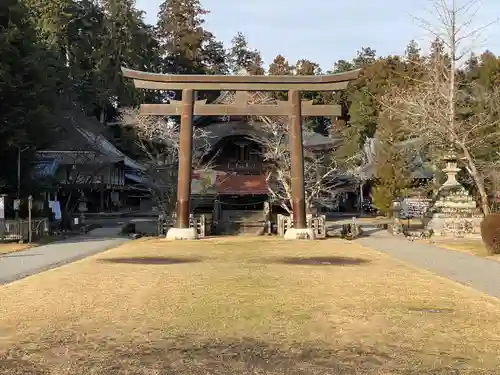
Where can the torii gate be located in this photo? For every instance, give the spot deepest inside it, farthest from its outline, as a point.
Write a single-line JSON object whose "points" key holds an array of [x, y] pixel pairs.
{"points": [[294, 108]]}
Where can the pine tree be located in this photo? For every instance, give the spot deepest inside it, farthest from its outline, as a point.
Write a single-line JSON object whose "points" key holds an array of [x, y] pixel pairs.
{"points": [[365, 57], [124, 45], [52, 20], [256, 67], [305, 67], [242, 58], [280, 67], [215, 57], [30, 81], [341, 66], [393, 169], [182, 36]]}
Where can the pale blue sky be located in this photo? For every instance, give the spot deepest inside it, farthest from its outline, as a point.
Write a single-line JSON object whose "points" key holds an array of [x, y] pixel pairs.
{"points": [[325, 31]]}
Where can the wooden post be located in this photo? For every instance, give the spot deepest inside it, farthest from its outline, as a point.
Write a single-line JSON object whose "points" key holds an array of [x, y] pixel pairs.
{"points": [[185, 159], [297, 158]]}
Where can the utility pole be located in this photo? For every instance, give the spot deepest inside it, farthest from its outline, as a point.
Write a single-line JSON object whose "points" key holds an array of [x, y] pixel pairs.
{"points": [[17, 203], [19, 151]]}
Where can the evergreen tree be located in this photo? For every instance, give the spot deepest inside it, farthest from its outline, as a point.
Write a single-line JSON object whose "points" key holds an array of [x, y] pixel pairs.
{"points": [[52, 20], [242, 58], [256, 67], [182, 36], [365, 57], [305, 67], [127, 42], [215, 58], [393, 167], [30, 83], [280, 67], [341, 66]]}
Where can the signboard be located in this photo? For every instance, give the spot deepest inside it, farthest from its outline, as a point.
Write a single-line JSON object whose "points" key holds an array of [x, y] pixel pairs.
{"points": [[414, 207]]}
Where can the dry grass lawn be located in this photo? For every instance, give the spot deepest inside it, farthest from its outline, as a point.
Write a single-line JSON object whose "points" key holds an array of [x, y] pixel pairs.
{"points": [[472, 246], [245, 306], [11, 247]]}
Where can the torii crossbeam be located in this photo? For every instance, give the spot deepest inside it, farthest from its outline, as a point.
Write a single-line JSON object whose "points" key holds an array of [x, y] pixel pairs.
{"points": [[294, 108]]}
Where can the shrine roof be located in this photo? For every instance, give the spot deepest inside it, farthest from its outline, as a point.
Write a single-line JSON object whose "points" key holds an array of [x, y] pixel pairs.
{"points": [[220, 130]]}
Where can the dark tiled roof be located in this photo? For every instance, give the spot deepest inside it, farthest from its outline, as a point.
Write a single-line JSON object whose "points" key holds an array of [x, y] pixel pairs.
{"points": [[253, 130]]}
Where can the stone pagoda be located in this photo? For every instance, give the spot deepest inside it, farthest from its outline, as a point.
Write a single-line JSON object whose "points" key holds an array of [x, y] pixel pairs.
{"points": [[454, 213]]}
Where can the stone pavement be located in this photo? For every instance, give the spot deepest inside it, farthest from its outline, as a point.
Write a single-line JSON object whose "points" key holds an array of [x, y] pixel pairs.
{"points": [[28, 262], [479, 273]]}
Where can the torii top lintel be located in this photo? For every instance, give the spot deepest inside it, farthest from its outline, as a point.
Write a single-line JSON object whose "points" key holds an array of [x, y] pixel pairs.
{"points": [[154, 81]]}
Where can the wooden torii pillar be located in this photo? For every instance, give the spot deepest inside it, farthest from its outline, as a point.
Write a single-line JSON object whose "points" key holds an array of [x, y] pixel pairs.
{"points": [[294, 108]]}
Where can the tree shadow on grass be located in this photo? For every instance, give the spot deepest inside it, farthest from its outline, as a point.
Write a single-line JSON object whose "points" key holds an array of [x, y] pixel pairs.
{"points": [[196, 355], [150, 260], [322, 261]]}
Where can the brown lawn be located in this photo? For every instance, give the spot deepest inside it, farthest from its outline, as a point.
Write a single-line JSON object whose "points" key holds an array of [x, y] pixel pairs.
{"points": [[11, 247], [245, 306], [471, 246]]}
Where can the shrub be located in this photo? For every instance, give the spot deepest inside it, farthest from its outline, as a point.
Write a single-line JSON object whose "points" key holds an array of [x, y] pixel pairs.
{"points": [[383, 196], [490, 233]]}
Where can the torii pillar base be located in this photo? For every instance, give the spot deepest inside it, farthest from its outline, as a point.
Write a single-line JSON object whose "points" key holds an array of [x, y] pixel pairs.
{"points": [[182, 234], [300, 234]]}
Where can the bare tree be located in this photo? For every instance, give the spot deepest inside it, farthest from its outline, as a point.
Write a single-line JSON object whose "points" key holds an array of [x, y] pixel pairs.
{"points": [[324, 180], [433, 108], [158, 139]]}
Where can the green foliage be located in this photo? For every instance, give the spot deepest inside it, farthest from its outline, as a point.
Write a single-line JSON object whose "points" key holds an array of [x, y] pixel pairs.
{"points": [[490, 233], [382, 198], [280, 67], [183, 39], [393, 165], [31, 77], [242, 57]]}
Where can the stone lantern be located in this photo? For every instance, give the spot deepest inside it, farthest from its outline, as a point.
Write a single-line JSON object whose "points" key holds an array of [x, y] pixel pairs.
{"points": [[454, 212]]}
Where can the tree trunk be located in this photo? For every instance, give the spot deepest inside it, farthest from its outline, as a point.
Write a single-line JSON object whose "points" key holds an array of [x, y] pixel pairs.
{"points": [[478, 181], [102, 116]]}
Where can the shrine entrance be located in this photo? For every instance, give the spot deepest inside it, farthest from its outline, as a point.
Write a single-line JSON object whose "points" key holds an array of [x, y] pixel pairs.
{"points": [[187, 107]]}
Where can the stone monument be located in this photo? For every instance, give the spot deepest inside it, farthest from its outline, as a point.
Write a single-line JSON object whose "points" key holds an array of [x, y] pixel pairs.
{"points": [[454, 212]]}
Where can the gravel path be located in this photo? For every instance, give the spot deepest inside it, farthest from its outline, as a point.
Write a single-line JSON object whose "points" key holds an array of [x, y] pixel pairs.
{"points": [[15, 266], [478, 273]]}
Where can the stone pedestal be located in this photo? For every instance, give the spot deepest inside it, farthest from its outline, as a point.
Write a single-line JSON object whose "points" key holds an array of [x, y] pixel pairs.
{"points": [[182, 234], [299, 234], [454, 213]]}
